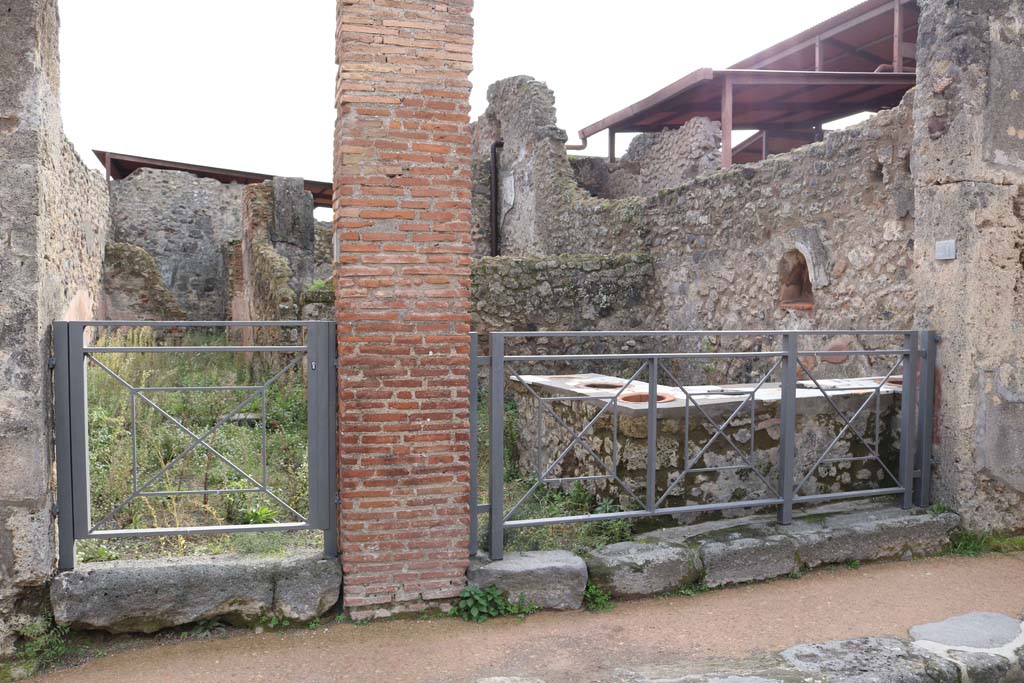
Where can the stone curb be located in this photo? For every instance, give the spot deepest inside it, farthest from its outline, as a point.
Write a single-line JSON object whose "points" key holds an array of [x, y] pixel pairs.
{"points": [[720, 553]]}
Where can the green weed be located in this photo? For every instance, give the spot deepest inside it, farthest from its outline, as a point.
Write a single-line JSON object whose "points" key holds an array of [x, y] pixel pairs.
{"points": [[274, 621], [480, 604], [317, 286], [44, 644], [264, 543], [973, 544], [691, 589], [596, 600], [96, 553], [970, 544]]}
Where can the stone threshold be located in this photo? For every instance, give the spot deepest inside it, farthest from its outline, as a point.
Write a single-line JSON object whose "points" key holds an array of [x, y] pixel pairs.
{"points": [[145, 596], [720, 553]]}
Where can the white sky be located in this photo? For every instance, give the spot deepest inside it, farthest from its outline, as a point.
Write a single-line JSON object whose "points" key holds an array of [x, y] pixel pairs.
{"points": [[249, 84]]}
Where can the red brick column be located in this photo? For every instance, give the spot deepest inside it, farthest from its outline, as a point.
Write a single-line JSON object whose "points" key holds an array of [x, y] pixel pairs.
{"points": [[402, 216]]}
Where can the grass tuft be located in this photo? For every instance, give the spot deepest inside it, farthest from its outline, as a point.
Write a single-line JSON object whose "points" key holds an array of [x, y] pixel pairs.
{"points": [[596, 600]]}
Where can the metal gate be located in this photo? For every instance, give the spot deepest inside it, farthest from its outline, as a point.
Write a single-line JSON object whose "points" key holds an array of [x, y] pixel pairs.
{"points": [[909, 364], [309, 354]]}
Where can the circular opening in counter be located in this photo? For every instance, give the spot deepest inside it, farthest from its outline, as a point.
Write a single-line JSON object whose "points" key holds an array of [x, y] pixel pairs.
{"points": [[603, 384], [643, 398]]}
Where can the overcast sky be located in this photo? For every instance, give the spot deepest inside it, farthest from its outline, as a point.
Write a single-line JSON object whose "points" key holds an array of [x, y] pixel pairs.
{"points": [[249, 84]]}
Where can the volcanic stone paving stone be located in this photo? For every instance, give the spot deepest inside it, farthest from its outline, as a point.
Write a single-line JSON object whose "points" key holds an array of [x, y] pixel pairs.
{"points": [[982, 630], [149, 595], [874, 660], [549, 579], [630, 569]]}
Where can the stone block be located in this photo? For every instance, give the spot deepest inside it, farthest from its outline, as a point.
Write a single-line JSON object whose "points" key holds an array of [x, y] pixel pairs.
{"points": [[27, 558], [149, 595], [631, 570], [748, 559], [549, 579], [885, 535], [878, 660], [984, 667], [306, 587]]}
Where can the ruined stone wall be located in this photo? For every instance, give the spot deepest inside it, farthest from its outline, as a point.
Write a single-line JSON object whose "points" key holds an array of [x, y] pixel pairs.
{"points": [[845, 204], [654, 162], [133, 288], [267, 278], [194, 229], [560, 292], [184, 222], [969, 181], [283, 255], [542, 208], [53, 227]]}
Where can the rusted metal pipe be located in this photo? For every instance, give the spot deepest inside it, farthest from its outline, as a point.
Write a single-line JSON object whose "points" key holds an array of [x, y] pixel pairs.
{"points": [[495, 198], [579, 147]]}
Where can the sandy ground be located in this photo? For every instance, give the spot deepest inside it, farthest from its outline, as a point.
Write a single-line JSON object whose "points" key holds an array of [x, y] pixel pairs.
{"points": [[837, 603]]}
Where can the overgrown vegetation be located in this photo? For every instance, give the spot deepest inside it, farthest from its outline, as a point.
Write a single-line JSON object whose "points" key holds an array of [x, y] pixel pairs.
{"points": [[691, 589], [44, 644], [973, 544], [596, 600], [317, 286], [279, 457], [480, 604], [545, 501]]}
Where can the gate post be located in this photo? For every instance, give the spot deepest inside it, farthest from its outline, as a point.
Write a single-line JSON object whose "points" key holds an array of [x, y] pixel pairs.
{"points": [[496, 490], [787, 417], [925, 420], [62, 417], [474, 443], [322, 429], [908, 423]]}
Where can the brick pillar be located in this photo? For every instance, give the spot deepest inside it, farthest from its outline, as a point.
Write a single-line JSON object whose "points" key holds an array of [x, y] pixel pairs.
{"points": [[402, 215]]}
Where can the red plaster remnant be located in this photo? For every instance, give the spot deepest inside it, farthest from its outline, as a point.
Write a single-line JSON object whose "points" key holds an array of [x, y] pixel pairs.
{"points": [[402, 216]]}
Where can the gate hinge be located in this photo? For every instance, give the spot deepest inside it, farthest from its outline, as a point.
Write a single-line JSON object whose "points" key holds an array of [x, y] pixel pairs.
{"points": [[51, 362]]}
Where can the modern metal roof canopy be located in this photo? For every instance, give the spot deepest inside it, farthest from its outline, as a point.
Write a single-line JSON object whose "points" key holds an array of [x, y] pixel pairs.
{"points": [[860, 60], [120, 166]]}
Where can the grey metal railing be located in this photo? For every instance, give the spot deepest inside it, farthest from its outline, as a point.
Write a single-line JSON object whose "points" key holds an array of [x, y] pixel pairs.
{"points": [[316, 358], [913, 358]]}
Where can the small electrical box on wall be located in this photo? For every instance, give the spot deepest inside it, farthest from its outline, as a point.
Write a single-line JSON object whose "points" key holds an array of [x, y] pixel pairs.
{"points": [[945, 250]]}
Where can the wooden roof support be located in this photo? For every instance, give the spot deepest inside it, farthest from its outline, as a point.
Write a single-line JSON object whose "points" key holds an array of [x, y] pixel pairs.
{"points": [[727, 122], [897, 40]]}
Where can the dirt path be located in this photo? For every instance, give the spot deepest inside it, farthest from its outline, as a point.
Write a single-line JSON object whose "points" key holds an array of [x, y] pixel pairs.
{"points": [[881, 599]]}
